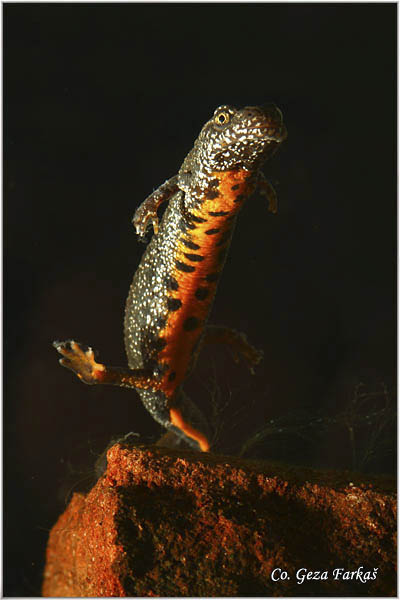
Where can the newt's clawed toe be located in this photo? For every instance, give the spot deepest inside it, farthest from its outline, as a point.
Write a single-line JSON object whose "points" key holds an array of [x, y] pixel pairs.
{"points": [[243, 349], [80, 360], [143, 219]]}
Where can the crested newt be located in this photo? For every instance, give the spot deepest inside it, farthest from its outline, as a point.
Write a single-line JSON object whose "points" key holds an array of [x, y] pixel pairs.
{"points": [[174, 286]]}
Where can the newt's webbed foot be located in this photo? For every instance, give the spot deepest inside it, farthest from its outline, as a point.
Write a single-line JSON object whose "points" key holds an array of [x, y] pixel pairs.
{"points": [[266, 189], [241, 348], [80, 360], [238, 344]]}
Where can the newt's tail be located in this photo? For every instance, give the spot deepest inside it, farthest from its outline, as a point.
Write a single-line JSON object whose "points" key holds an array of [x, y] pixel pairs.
{"points": [[188, 423]]}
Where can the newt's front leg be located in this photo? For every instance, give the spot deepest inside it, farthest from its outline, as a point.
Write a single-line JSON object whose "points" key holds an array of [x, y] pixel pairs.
{"points": [[146, 213], [82, 362]]}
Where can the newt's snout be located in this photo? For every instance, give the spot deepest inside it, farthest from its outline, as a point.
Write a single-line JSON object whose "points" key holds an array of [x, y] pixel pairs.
{"points": [[266, 122], [274, 122]]}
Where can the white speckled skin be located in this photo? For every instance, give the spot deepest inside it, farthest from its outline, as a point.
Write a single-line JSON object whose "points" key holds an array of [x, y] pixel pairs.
{"points": [[247, 138], [147, 299], [174, 286]]}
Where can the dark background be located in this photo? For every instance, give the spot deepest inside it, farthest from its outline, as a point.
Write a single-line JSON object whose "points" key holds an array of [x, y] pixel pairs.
{"points": [[101, 105]]}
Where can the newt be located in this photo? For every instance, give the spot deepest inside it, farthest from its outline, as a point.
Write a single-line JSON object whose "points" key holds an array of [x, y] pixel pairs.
{"points": [[175, 283]]}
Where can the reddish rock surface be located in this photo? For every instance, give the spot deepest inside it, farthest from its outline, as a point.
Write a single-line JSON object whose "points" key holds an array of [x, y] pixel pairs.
{"points": [[175, 523]]}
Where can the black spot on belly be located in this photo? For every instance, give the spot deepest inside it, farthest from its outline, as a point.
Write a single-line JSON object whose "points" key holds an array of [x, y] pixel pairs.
{"points": [[196, 219], [191, 323], [190, 244], [184, 267], [171, 284], [212, 194], [201, 293], [221, 213], [173, 304], [194, 257], [235, 187], [214, 182], [240, 198], [212, 231]]}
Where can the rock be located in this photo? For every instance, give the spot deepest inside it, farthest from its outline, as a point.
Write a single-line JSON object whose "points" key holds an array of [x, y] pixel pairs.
{"points": [[177, 523]]}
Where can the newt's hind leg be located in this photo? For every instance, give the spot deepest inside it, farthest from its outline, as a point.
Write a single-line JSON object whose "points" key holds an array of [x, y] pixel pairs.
{"points": [[237, 342], [82, 362], [181, 417]]}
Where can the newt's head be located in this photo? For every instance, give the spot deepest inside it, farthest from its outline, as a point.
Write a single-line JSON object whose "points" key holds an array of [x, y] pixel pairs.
{"points": [[241, 138]]}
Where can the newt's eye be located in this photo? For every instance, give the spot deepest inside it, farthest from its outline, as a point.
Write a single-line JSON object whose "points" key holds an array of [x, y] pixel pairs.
{"points": [[222, 118]]}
